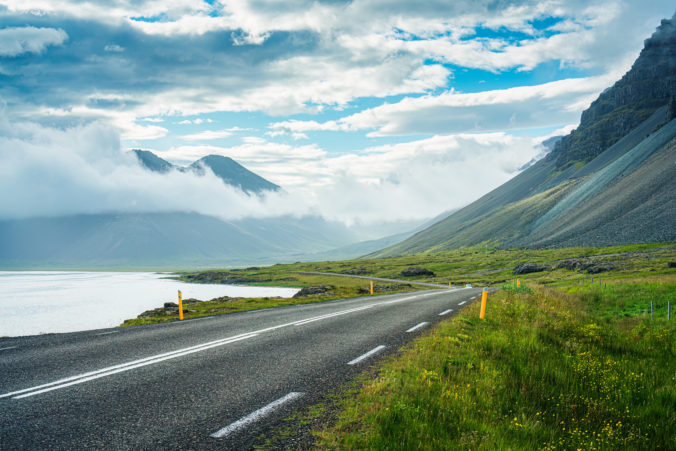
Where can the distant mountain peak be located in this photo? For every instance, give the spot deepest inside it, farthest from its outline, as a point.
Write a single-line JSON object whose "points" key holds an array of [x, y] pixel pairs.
{"points": [[231, 172], [151, 161]]}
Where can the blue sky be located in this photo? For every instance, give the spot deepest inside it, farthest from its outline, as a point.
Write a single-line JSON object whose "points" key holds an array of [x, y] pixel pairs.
{"points": [[360, 109]]}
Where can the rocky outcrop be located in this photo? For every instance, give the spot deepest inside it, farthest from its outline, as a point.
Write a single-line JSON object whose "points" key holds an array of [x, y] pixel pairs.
{"points": [[317, 290], [649, 84], [169, 308], [591, 266], [216, 277], [355, 271], [415, 271], [377, 288], [528, 268]]}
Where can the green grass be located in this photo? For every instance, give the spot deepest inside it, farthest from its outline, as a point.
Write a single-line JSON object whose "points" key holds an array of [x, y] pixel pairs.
{"points": [[479, 265], [576, 367]]}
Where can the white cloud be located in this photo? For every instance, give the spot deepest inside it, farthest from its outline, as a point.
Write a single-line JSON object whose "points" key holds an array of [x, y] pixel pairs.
{"points": [[113, 48], [196, 121], [206, 135], [521, 107], [414, 180], [82, 170], [15, 41]]}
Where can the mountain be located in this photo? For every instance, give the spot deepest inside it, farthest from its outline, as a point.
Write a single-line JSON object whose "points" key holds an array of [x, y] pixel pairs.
{"points": [[163, 240], [610, 181], [233, 173], [225, 168], [152, 162]]}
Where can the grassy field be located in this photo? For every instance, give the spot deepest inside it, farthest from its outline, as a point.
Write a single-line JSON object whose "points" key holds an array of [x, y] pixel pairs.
{"points": [[571, 367], [481, 266], [570, 360]]}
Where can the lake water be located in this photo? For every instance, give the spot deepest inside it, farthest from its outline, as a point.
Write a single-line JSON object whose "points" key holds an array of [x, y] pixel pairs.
{"points": [[36, 302]]}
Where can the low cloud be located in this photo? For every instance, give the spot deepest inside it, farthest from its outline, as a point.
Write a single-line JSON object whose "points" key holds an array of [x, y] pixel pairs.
{"points": [[15, 41], [82, 170]]}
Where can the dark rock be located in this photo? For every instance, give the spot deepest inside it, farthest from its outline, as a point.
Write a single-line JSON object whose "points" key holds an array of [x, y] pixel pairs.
{"points": [[169, 308], [383, 288], [415, 271], [216, 277], [671, 265], [527, 268], [315, 290], [354, 271], [600, 267], [591, 266]]}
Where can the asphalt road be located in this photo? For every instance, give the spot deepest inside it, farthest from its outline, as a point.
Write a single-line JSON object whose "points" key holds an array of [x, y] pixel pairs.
{"points": [[211, 383]]}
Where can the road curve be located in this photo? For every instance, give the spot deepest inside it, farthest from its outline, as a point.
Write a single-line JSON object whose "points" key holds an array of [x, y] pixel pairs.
{"points": [[217, 382]]}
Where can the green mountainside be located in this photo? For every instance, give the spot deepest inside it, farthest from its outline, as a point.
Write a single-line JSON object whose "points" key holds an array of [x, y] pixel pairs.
{"points": [[611, 181]]}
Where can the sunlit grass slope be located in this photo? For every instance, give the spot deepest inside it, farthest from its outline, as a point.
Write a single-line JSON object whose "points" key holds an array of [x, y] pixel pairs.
{"points": [[481, 266], [578, 367]]}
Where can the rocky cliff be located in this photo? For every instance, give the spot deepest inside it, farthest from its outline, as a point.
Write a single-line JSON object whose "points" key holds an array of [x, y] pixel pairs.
{"points": [[649, 84]]}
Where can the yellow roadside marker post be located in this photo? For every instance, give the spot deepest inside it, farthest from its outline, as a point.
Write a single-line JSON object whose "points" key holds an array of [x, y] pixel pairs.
{"points": [[180, 306], [484, 295], [518, 283], [371, 287]]}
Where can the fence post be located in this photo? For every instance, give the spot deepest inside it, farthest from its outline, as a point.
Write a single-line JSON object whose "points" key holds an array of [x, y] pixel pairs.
{"points": [[484, 295], [669, 310], [180, 306]]}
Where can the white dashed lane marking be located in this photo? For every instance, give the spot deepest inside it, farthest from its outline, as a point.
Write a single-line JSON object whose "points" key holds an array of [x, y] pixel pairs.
{"points": [[255, 416], [417, 326], [367, 355]]}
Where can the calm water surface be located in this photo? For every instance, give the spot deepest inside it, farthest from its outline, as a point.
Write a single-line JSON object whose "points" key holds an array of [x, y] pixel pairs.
{"points": [[36, 302]]}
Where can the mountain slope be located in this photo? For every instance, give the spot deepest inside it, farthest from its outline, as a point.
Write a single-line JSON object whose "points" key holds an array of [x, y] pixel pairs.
{"points": [[162, 240], [225, 168], [233, 173], [597, 185], [649, 84], [152, 162]]}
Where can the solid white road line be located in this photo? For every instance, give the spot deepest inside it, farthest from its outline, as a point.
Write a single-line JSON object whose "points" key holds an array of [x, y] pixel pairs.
{"points": [[331, 315], [417, 326], [255, 416], [9, 347], [446, 312], [461, 303], [367, 355], [84, 377], [108, 333], [80, 378]]}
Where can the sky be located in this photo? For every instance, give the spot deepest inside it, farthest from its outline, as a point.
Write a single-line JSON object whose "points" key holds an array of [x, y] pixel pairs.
{"points": [[362, 111]]}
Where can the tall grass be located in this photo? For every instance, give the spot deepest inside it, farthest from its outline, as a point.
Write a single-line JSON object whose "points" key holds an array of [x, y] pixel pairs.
{"points": [[582, 368]]}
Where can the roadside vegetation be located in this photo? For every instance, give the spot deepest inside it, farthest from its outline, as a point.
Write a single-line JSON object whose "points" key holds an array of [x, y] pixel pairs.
{"points": [[479, 265], [572, 367]]}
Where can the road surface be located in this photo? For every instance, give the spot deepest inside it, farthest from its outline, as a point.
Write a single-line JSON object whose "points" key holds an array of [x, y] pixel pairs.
{"points": [[216, 382]]}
